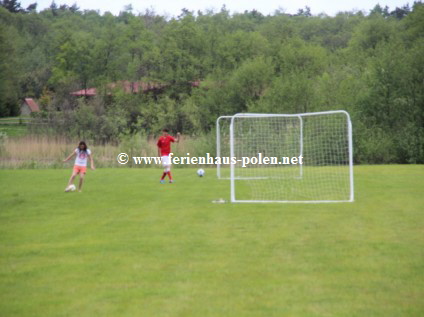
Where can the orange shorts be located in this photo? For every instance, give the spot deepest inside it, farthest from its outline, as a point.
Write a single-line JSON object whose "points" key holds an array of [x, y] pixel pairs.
{"points": [[80, 169]]}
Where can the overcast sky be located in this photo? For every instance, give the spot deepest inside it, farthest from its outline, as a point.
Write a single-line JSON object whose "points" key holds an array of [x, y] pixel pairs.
{"points": [[173, 7]]}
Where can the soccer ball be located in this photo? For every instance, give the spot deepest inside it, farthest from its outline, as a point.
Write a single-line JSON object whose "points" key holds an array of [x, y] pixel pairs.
{"points": [[71, 188], [201, 172]]}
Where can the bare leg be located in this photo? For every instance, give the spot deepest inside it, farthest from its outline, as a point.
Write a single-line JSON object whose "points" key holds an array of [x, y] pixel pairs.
{"points": [[71, 180], [81, 181], [168, 172]]}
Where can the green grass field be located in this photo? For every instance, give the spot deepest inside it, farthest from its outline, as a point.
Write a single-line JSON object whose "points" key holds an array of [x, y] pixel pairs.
{"points": [[128, 246], [14, 126], [13, 130]]}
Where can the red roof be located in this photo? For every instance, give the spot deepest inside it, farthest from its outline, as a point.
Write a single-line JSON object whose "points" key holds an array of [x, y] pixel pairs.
{"points": [[128, 87], [32, 105], [85, 92]]}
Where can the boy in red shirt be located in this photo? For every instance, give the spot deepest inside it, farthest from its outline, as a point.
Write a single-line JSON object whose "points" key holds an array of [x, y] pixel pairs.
{"points": [[164, 148]]}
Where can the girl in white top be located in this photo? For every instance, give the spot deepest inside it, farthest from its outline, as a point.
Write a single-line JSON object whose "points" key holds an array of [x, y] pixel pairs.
{"points": [[80, 167]]}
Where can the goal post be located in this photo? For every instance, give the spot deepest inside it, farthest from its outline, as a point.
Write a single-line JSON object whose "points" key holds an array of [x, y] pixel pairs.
{"points": [[222, 143], [311, 157]]}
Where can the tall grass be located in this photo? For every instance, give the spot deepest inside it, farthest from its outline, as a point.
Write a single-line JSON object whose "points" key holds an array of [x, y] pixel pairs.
{"points": [[41, 151]]}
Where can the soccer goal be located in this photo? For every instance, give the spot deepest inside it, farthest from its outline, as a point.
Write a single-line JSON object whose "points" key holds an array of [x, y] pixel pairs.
{"points": [[298, 158]]}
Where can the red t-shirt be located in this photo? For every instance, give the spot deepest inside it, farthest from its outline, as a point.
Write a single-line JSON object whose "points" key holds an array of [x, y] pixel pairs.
{"points": [[164, 144]]}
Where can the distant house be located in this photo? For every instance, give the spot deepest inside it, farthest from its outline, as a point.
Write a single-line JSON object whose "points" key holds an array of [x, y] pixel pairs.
{"points": [[90, 92], [29, 106], [128, 87]]}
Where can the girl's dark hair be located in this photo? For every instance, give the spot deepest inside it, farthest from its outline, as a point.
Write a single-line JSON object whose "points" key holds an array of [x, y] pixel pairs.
{"points": [[85, 146]]}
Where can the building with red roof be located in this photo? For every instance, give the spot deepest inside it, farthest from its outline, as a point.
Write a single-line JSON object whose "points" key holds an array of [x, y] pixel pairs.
{"points": [[29, 106]]}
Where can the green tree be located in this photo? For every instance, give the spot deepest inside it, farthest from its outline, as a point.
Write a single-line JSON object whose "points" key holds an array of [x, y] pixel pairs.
{"points": [[13, 6], [9, 83], [297, 56], [75, 60]]}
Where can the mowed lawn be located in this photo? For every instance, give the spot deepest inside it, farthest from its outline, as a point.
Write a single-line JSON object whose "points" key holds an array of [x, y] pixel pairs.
{"points": [[129, 246]]}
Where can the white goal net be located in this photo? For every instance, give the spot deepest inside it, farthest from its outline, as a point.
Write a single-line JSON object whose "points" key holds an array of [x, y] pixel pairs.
{"points": [[290, 158]]}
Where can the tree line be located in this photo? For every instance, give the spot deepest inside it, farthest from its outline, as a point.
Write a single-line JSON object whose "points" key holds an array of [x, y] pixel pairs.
{"points": [[368, 63]]}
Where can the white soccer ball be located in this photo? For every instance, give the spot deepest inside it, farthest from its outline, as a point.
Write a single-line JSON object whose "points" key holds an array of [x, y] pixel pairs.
{"points": [[201, 172], [72, 188]]}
